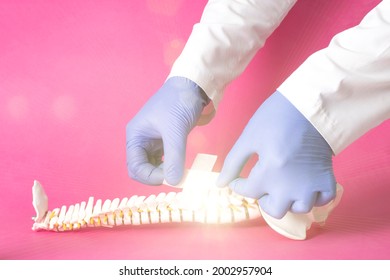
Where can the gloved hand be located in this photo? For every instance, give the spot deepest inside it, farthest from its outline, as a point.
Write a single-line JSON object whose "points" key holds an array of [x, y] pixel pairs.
{"points": [[160, 129], [294, 170]]}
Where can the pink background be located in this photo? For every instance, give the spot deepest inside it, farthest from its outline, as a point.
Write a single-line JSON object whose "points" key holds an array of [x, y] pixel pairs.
{"points": [[73, 73]]}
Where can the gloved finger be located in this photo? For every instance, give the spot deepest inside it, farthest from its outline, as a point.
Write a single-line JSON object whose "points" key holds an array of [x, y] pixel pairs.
{"points": [[233, 164], [326, 190], [174, 158], [304, 205], [275, 206], [243, 187], [149, 174], [140, 169], [252, 186], [324, 198]]}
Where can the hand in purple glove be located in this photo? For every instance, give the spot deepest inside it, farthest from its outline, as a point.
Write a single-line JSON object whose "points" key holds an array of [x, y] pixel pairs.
{"points": [[160, 129], [294, 171]]}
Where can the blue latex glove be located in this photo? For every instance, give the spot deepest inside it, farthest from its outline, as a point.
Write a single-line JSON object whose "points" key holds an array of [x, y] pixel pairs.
{"points": [[294, 171], [160, 129]]}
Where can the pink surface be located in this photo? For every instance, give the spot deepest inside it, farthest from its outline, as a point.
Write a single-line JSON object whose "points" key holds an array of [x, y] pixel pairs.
{"points": [[73, 73]]}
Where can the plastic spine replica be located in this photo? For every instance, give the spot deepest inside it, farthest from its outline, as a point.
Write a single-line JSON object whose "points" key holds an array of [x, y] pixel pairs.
{"points": [[199, 201], [221, 207]]}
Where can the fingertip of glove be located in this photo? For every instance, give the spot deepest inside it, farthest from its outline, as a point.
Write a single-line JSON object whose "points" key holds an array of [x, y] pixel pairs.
{"points": [[324, 198], [238, 186], [172, 181], [221, 181], [271, 208], [174, 177], [301, 207]]}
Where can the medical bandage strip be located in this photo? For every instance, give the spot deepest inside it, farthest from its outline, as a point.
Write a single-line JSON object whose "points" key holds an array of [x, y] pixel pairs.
{"points": [[220, 206]]}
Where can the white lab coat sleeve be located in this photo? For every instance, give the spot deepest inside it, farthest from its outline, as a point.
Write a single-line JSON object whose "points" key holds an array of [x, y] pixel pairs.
{"points": [[225, 40], [344, 89]]}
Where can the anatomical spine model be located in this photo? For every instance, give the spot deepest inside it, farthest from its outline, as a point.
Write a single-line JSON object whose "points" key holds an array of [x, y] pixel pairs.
{"points": [[199, 201]]}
